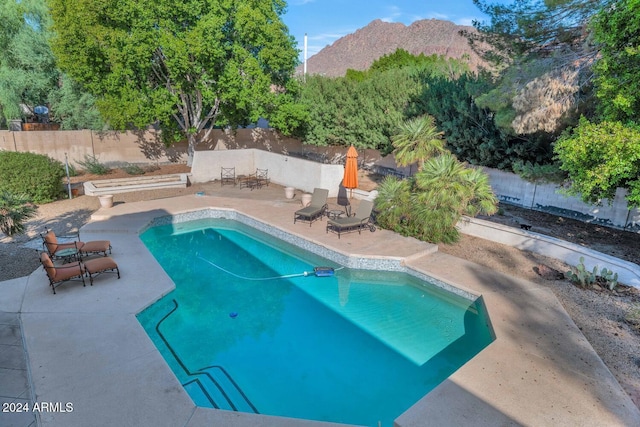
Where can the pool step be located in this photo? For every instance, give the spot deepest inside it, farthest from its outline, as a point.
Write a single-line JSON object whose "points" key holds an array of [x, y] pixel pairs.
{"points": [[214, 384]]}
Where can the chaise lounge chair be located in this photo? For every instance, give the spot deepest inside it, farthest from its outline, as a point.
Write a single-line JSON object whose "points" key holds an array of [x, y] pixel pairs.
{"points": [[60, 274], [316, 208], [64, 250], [361, 219]]}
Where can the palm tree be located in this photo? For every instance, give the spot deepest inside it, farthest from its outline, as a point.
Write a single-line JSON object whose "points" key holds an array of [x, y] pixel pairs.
{"points": [[14, 211], [417, 140], [393, 204], [446, 189]]}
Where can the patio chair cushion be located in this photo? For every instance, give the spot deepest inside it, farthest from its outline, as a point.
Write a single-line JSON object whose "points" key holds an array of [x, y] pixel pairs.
{"points": [[97, 266], [95, 247]]}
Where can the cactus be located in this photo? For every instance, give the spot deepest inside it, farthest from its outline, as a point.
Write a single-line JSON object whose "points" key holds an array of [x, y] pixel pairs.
{"points": [[610, 278], [580, 274]]}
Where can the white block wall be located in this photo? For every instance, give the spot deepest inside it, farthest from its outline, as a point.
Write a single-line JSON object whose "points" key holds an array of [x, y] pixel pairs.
{"points": [[510, 188], [284, 170]]}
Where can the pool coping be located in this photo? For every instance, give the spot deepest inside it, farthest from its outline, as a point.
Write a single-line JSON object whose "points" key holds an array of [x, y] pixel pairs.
{"points": [[85, 346]]}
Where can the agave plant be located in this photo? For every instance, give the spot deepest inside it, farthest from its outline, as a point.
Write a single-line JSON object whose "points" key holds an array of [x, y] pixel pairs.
{"points": [[14, 211]]}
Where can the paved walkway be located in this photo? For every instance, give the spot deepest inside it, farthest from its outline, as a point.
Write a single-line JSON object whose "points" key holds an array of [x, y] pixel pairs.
{"points": [[85, 346]]}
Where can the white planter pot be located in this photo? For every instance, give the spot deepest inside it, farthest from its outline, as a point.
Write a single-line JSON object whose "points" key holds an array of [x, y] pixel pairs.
{"points": [[289, 192], [306, 199], [106, 201]]}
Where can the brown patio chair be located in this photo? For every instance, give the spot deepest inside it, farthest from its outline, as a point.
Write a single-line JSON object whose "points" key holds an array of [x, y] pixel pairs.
{"points": [[57, 250], [316, 208], [60, 274], [97, 266]]}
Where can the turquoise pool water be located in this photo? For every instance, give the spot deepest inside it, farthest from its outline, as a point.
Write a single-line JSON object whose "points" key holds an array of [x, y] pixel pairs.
{"points": [[359, 347]]}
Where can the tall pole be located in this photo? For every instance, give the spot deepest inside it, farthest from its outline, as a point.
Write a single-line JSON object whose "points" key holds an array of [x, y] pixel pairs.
{"points": [[66, 168], [304, 72]]}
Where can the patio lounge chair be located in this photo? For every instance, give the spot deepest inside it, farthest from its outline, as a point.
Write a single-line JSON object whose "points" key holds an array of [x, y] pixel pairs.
{"points": [[97, 266], [316, 208], [60, 274], [58, 250], [361, 219]]}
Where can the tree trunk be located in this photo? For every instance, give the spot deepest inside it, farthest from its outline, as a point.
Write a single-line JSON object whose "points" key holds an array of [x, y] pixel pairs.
{"points": [[191, 148]]}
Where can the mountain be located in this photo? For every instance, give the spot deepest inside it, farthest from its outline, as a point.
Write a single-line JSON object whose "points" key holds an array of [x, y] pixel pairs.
{"points": [[358, 50]]}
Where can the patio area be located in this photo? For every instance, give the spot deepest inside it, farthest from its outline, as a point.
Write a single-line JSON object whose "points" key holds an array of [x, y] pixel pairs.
{"points": [[84, 346]]}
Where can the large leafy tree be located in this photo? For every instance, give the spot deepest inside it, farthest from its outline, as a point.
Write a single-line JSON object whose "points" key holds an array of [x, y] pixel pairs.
{"points": [[27, 67], [29, 75], [364, 113], [617, 30], [599, 158], [186, 66]]}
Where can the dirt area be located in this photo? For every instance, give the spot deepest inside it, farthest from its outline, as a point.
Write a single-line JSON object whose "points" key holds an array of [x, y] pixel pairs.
{"points": [[609, 319]]}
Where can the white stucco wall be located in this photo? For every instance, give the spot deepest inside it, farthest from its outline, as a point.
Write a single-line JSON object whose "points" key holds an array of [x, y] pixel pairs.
{"points": [[283, 170]]}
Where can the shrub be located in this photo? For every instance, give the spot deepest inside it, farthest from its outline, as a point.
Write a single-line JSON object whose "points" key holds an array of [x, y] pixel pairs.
{"points": [[36, 176], [14, 210], [92, 165], [429, 206], [133, 169]]}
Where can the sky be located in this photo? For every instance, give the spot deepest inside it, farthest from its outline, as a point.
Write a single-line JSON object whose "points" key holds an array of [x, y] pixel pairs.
{"points": [[325, 21]]}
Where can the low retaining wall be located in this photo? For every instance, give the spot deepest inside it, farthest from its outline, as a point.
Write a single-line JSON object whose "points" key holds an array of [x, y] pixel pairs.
{"points": [[125, 185], [510, 188], [570, 253]]}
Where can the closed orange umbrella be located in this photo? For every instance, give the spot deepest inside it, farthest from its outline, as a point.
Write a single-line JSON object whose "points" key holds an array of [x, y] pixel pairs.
{"points": [[350, 179]]}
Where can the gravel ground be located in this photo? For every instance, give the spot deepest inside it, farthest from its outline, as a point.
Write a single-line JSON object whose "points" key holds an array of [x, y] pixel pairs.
{"points": [[606, 318]]}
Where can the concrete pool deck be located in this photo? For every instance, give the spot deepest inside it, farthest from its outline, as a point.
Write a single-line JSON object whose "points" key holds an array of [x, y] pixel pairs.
{"points": [[85, 346]]}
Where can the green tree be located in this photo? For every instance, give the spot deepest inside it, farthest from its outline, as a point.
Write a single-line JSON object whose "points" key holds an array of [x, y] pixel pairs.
{"points": [[27, 67], [186, 66], [14, 211], [599, 158], [417, 140], [616, 29], [29, 75], [364, 113]]}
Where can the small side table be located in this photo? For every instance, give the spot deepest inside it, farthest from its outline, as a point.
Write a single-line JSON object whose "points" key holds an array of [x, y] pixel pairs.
{"points": [[68, 255], [335, 214]]}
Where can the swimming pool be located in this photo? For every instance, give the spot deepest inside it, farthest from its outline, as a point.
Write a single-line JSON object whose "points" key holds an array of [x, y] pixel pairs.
{"points": [[357, 347]]}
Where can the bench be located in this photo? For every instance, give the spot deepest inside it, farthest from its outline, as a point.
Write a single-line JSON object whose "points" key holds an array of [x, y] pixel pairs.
{"points": [[124, 185]]}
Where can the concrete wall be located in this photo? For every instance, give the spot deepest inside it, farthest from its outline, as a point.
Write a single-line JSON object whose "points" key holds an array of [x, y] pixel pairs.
{"points": [[108, 147], [284, 170], [510, 188], [137, 147]]}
